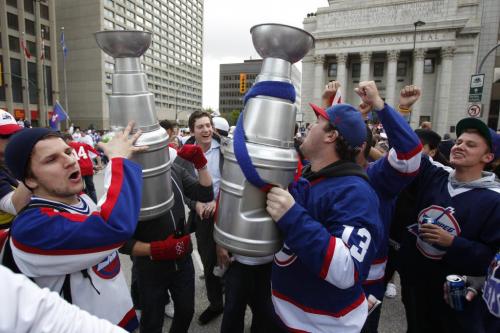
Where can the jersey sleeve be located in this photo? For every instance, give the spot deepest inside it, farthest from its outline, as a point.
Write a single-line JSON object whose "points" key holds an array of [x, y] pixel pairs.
{"points": [[391, 174], [27, 308], [48, 242], [339, 249]]}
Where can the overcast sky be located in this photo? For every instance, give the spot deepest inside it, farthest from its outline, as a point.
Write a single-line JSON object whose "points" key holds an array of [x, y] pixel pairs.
{"points": [[227, 36]]}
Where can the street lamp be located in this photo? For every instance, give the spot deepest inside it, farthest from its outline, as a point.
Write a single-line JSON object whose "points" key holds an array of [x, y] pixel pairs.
{"points": [[415, 24]]}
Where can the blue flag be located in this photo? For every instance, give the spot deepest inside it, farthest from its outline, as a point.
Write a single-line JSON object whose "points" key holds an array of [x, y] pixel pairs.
{"points": [[57, 116], [63, 45]]}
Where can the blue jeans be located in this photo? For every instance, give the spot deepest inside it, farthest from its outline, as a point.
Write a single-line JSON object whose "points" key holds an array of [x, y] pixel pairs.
{"points": [[152, 290]]}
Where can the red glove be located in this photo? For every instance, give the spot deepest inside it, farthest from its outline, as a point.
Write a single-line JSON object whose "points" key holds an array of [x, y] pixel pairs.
{"points": [[194, 154], [170, 248]]}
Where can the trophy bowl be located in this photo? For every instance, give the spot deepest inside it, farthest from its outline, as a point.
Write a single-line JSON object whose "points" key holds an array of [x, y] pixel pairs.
{"points": [[272, 40], [123, 43]]}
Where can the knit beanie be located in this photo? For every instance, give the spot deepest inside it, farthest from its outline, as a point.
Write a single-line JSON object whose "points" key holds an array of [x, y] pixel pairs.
{"points": [[19, 148]]}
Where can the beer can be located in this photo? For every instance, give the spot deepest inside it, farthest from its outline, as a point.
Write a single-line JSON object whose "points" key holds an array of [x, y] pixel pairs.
{"points": [[426, 219], [456, 291]]}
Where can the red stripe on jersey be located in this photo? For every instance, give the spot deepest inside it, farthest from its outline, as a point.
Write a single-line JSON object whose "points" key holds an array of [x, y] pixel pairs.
{"points": [[62, 252], [128, 317], [337, 314], [410, 154], [69, 216], [379, 261], [114, 189], [328, 258]]}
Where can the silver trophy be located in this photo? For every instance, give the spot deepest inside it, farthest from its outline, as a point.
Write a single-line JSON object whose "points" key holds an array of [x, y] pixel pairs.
{"points": [[130, 100], [243, 225]]}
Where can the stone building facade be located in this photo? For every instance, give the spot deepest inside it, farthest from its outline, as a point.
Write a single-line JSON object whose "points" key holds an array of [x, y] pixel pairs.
{"points": [[380, 40]]}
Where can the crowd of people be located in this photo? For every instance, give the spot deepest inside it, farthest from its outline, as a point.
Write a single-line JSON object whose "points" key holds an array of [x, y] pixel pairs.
{"points": [[374, 197]]}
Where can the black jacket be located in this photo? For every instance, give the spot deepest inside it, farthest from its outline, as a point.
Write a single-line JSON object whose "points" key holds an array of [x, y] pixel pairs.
{"points": [[184, 186]]}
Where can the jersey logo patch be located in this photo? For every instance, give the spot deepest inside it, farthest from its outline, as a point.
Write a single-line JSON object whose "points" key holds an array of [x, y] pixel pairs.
{"points": [[109, 267], [285, 257], [491, 292], [442, 217]]}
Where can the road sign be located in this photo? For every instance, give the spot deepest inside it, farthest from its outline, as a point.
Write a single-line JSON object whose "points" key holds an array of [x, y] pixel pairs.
{"points": [[474, 110], [476, 88]]}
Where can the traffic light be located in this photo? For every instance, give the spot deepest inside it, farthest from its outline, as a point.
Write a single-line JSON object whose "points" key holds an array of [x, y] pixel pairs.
{"points": [[243, 83]]}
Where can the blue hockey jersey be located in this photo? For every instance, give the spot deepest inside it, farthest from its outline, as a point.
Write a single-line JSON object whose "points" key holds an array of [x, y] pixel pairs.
{"points": [[331, 235], [51, 240], [389, 176]]}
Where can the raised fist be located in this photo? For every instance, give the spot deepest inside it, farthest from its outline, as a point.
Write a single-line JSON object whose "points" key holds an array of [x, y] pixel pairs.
{"points": [[329, 93], [194, 154], [408, 96], [368, 92]]}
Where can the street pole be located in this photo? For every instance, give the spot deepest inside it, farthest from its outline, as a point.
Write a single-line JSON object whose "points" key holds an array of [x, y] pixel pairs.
{"points": [[176, 114], [486, 56], [45, 97], [26, 94], [64, 78]]}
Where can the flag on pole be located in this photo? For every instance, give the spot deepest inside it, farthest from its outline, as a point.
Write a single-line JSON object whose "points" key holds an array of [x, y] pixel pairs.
{"points": [[337, 99], [58, 115], [42, 49], [24, 48], [63, 44]]}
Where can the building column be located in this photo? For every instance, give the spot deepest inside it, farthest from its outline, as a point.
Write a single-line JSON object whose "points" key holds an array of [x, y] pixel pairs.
{"points": [[6, 71], [24, 63], [342, 70], [418, 80], [365, 66], [444, 90], [392, 67], [319, 79]]}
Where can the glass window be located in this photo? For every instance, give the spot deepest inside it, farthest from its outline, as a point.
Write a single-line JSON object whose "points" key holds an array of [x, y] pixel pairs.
{"points": [[32, 77], [47, 52], [402, 68], [29, 6], [332, 69], [48, 82], [44, 11], [119, 19], [12, 3], [14, 44], [108, 13], [17, 86], [356, 70], [108, 24], [12, 21], [2, 87], [109, 3], [429, 66], [378, 69], [31, 47], [46, 32], [30, 27]]}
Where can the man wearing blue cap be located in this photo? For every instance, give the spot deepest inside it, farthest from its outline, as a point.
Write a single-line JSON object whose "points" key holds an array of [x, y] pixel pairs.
{"points": [[456, 230], [62, 239], [331, 229]]}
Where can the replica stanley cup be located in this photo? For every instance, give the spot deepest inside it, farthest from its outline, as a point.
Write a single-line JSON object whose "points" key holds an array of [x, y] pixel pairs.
{"points": [[131, 101], [243, 225]]}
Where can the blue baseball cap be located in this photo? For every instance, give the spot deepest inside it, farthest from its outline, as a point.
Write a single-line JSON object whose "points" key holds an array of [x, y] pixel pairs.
{"points": [[491, 137], [347, 120]]}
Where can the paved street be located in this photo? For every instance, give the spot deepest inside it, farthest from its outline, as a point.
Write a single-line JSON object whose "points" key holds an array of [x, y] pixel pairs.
{"points": [[392, 318]]}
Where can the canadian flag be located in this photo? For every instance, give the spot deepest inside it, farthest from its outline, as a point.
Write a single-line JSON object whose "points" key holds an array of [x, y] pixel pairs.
{"points": [[25, 49]]}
